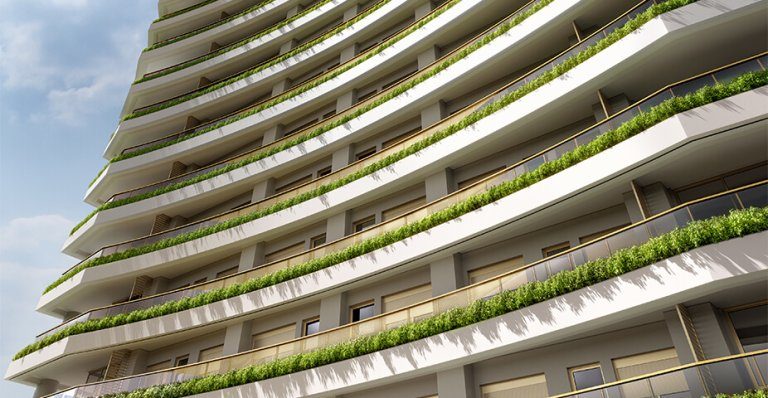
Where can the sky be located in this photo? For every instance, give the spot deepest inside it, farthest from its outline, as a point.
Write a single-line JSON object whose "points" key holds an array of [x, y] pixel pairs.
{"points": [[65, 69]]}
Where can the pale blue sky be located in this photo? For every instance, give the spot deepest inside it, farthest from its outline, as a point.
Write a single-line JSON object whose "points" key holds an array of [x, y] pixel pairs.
{"points": [[65, 68]]}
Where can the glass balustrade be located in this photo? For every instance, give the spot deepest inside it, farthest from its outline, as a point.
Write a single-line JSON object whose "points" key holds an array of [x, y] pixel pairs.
{"points": [[753, 195], [727, 375], [583, 137]]}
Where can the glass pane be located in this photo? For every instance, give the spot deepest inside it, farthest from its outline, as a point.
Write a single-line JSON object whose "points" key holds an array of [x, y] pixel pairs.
{"points": [[713, 207], [693, 85], [587, 378], [726, 75], [757, 196], [751, 326], [668, 222]]}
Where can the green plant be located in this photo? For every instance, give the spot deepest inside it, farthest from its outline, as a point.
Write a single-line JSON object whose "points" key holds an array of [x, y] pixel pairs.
{"points": [[746, 394], [314, 133], [675, 105], [233, 17], [604, 141], [697, 234], [184, 10]]}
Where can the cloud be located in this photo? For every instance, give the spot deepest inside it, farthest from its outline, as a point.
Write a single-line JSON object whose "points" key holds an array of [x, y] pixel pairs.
{"points": [[29, 260], [70, 3], [21, 56]]}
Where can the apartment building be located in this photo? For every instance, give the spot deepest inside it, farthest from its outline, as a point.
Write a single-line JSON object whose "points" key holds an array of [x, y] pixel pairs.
{"points": [[415, 198]]}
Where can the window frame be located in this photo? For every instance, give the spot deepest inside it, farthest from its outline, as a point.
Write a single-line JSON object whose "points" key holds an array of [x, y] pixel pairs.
{"points": [[307, 322], [574, 369], [358, 306], [558, 248]]}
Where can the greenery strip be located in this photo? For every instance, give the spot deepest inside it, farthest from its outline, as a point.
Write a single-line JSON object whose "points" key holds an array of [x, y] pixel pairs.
{"points": [[751, 80], [762, 393], [184, 10], [233, 17], [303, 138], [604, 141], [306, 86], [696, 234], [269, 63]]}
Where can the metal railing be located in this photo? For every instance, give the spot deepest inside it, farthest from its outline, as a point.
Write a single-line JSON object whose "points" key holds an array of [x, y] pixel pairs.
{"points": [[222, 49], [224, 163], [681, 88], [726, 375], [753, 195]]}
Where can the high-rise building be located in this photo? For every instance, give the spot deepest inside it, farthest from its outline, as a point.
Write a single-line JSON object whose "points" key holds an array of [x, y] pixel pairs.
{"points": [[414, 198]]}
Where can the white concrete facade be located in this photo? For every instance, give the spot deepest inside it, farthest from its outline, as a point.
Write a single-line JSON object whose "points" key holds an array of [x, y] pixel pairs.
{"points": [[695, 164]]}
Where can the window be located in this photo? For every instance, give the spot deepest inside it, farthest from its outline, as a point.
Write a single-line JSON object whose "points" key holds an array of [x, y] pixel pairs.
{"points": [[328, 114], [96, 375], [366, 153], [211, 353], [362, 225], [159, 366], [555, 249], [585, 377], [472, 180], [317, 241], [751, 327], [286, 252], [226, 272], [311, 326], [367, 95], [182, 360], [324, 172], [361, 311], [274, 336], [650, 362], [489, 271], [403, 208], [406, 297], [524, 387], [199, 281]]}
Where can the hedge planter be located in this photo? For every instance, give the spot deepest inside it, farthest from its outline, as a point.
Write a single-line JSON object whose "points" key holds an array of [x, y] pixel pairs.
{"points": [[541, 80], [599, 144], [697, 234], [641, 122], [298, 140]]}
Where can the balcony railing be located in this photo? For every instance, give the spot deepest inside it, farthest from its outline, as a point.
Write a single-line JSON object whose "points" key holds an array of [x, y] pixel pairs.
{"points": [[224, 48], [225, 119], [727, 375], [753, 195], [224, 163], [681, 88]]}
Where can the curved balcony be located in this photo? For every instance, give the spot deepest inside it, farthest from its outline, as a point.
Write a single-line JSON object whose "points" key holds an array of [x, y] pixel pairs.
{"points": [[520, 105], [403, 255], [240, 42], [409, 41], [752, 195], [116, 175], [514, 85], [604, 247], [210, 13]]}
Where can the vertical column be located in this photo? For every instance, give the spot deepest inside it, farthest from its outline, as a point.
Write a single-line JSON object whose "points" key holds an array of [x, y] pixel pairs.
{"points": [[252, 256], [342, 157], [159, 285], [293, 11], [557, 378], [346, 100], [333, 311], [237, 338], [348, 53], [281, 87], [45, 387], [273, 134], [433, 114], [683, 350], [439, 184], [351, 12], [338, 226], [423, 9], [456, 383], [446, 275], [656, 198], [263, 189], [427, 57]]}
